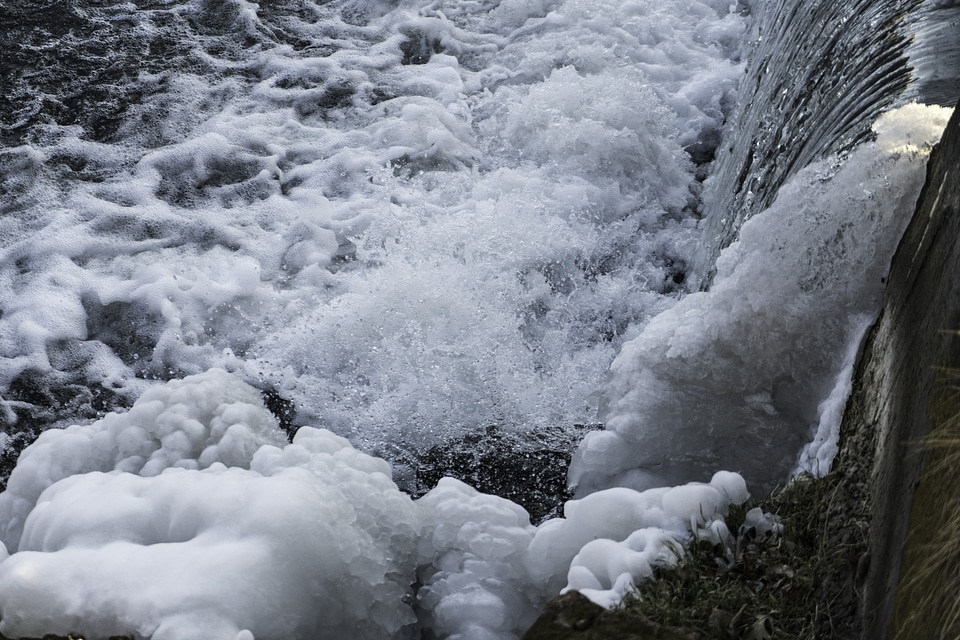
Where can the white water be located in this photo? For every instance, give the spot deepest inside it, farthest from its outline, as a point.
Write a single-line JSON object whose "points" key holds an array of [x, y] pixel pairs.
{"points": [[406, 251], [736, 374], [453, 244]]}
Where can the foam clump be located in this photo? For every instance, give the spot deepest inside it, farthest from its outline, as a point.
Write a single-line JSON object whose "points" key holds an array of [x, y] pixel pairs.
{"points": [[190, 518], [474, 581], [205, 554], [118, 532], [312, 540], [739, 373], [613, 538], [190, 423]]}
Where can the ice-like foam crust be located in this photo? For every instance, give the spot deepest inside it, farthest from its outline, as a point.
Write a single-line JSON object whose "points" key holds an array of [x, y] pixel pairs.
{"points": [[196, 549], [206, 554], [188, 424], [472, 552], [616, 536], [817, 455], [734, 376], [307, 539]]}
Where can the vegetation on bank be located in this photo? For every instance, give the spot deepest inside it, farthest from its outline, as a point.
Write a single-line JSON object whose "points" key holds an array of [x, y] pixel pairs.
{"points": [[803, 583], [808, 583]]}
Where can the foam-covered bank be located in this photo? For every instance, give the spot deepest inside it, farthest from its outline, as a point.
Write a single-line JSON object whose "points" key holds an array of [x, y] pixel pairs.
{"points": [[757, 368], [189, 518]]}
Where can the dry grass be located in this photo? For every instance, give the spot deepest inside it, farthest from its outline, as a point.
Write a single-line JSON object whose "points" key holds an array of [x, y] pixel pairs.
{"points": [[928, 598]]}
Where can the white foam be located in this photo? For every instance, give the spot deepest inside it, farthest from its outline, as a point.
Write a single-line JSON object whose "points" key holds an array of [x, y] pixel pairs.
{"points": [[192, 548], [135, 525], [474, 581], [614, 538], [817, 456], [191, 423], [734, 376]]}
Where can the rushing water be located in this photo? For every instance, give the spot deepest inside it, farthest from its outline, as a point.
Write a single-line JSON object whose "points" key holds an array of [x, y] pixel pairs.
{"points": [[405, 221], [747, 362], [820, 73]]}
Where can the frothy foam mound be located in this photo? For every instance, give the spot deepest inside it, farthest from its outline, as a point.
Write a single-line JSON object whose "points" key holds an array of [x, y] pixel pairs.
{"points": [[192, 548], [736, 375], [612, 538], [472, 569], [187, 424], [307, 539]]}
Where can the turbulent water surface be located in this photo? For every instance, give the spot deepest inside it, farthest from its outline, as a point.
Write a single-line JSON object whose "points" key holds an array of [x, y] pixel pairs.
{"points": [[405, 219], [403, 222]]}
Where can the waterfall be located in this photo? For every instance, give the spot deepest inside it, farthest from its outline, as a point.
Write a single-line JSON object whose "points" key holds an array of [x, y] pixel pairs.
{"points": [[751, 358], [819, 74]]}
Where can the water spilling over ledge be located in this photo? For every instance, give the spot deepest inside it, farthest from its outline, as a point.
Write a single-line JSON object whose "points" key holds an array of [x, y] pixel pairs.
{"points": [[819, 74], [738, 375]]}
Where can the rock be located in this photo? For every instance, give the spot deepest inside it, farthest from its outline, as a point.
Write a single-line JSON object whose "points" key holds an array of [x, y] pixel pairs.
{"points": [[528, 467]]}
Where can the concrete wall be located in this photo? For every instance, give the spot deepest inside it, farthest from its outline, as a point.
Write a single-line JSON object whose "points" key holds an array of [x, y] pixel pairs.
{"points": [[888, 409]]}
